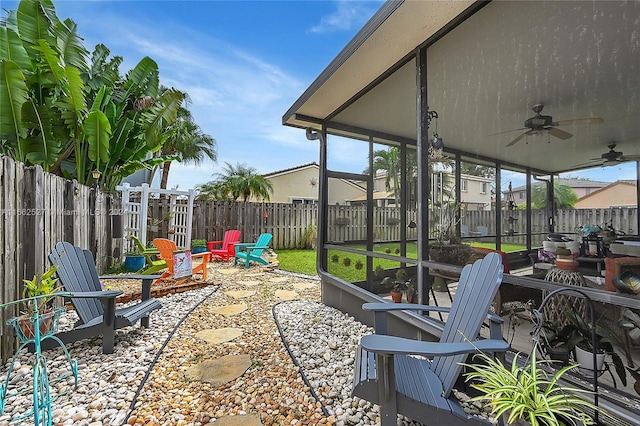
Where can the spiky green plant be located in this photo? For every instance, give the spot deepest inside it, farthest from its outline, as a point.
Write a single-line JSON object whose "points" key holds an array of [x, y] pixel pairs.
{"points": [[528, 392]]}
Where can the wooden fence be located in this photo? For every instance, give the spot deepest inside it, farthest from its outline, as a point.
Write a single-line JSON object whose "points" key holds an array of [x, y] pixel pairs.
{"points": [[291, 224], [38, 210]]}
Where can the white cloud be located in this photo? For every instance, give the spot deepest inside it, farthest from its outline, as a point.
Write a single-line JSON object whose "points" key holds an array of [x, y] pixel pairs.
{"points": [[349, 15]]}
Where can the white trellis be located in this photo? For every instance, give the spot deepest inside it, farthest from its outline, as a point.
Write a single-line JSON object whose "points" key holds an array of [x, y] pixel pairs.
{"points": [[135, 206]]}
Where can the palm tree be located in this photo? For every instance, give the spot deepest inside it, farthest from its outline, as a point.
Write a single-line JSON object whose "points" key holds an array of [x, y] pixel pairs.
{"points": [[388, 161], [185, 142], [563, 195], [239, 181]]}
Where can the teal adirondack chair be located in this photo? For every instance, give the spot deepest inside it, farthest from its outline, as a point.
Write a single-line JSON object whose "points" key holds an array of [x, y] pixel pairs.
{"points": [[252, 251]]}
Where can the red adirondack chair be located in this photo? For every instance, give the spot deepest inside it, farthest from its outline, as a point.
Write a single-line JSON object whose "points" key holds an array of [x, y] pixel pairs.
{"points": [[227, 251]]}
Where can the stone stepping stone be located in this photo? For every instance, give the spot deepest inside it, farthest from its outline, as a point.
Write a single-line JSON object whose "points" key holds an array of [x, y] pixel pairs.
{"points": [[227, 271], [303, 286], [216, 336], [279, 280], [286, 294], [250, 283], [230, 310], [255, 275], [219, 371], [246, 420], [239, 294]]}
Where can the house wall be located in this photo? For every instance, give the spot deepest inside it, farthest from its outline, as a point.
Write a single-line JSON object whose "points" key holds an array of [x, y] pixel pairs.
{"points": [[617, 195], [297, 184], [476, 196]]}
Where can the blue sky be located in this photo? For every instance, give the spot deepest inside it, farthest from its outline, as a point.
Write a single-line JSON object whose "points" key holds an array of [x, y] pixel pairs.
{"points": [[243, 63]]}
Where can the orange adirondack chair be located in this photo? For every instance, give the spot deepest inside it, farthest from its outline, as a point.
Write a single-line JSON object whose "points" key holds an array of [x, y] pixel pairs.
{"points": [[166, 249], [227, 250]]}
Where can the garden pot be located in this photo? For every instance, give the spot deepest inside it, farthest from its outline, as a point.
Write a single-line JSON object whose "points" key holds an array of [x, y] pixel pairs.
{"points": [[520, 422], [412, 298], [27, 326], [396, 296], [585, 359], [134, 263], [560, 353], [197, 250], [453, 254], [439, 284]]}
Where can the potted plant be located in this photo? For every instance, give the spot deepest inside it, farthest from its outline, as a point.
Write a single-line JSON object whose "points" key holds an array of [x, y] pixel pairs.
{"points": [[528, 394], [198, 246], [396, 286], [448, 247], [556, 342], [581, 343], [134, 259], [410, 292], [39, 286]]}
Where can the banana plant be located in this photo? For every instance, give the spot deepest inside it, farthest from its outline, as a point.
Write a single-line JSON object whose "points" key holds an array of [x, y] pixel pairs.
{"points": [[71, 115]]}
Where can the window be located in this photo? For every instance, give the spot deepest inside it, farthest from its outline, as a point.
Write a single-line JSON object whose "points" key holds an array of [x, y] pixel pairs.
{"points": [[484, 188], [463, 185], [521, 195], [303, 201]]}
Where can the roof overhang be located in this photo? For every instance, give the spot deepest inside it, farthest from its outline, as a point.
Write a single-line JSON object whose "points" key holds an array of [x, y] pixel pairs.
{"points": [[487, 65]]}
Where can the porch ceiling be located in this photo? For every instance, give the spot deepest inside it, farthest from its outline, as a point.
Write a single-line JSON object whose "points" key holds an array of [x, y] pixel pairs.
{"points": [[580, 59]]}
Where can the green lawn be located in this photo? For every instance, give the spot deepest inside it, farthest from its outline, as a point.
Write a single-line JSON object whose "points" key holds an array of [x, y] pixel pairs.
{"points": [[304, 261]]}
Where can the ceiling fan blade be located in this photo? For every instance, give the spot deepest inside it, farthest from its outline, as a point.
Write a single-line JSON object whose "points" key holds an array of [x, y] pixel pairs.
{"points": [[593, 163], [590, 120], [560, 134], [507, 131], [516, 140]]}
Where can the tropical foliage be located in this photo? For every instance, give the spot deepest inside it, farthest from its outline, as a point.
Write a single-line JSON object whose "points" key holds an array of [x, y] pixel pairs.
{"points": [[185, 141], [239, 182], [528, 393], [564, 196], [72, 115]]}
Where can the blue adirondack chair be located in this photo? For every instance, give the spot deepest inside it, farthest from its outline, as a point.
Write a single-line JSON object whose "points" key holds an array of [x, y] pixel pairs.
{"points": [[420, 387], [96, 308], [248, 252]]}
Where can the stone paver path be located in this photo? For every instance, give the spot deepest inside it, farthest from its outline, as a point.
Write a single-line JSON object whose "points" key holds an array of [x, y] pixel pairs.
{"points": [[219, 335]]}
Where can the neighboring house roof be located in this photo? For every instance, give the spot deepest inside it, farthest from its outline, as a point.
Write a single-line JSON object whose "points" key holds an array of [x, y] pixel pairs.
{"points": [[313, 164], [573, 183], [601, 191]]}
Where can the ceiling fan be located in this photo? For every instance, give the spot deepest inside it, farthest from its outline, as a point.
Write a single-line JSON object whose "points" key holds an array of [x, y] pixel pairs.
{"points": [[612, 157], [544, 123]]}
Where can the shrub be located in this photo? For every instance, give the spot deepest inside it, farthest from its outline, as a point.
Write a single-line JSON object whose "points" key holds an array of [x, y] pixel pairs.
{"points": [[335, 258], [358, 265], [397, 250], [346, 261], [378, 272], [387, 250]]}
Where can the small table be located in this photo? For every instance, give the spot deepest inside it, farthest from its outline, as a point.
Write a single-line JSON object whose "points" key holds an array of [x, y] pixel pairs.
{"points": [[599, 262]]}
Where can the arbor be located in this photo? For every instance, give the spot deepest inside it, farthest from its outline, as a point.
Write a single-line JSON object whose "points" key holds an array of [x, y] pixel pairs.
{"points": [[70, 116], [186, 142], [235, 182]]}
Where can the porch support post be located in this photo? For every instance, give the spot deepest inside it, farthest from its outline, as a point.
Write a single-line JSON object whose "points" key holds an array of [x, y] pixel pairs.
{"points": [[498, 205], [422, 142], [370, 216], [323, 193]]}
